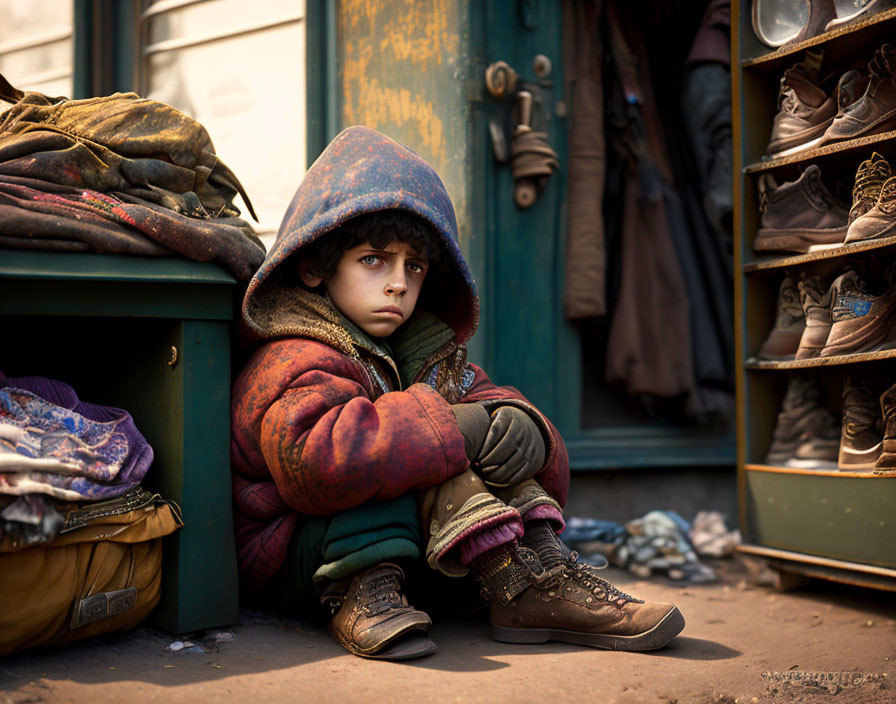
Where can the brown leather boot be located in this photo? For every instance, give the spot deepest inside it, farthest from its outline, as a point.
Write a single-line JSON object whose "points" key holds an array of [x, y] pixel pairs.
{"points": [[372, 617], [568, 603], [886, 463]]}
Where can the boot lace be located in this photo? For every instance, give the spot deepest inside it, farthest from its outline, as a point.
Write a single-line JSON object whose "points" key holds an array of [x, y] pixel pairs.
{"points": [[384, 593], [586, 575], [870, 179]]}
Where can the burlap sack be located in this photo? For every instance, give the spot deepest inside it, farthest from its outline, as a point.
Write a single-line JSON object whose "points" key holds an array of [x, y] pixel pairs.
{"points": [[101, 577]]}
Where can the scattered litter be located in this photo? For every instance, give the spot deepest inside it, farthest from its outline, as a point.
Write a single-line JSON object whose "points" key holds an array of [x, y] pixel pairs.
{"points": [[169, 667], [216, 666], [201, 643], [869, 623], [710, 537], [656, 543]]}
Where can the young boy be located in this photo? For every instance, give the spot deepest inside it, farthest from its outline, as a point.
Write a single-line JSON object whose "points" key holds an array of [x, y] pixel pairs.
{"points": [[363, 441]]}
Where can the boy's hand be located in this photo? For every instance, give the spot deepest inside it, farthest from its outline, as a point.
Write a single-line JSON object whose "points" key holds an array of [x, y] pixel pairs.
{"points": [[513, 450]]}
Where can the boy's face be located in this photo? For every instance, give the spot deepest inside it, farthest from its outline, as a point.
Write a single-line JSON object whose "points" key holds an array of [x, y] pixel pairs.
{"points": [[377, 289]]}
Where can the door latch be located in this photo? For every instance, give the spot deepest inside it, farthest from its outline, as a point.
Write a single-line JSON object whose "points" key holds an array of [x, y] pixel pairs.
{"points": [[532, 160]]}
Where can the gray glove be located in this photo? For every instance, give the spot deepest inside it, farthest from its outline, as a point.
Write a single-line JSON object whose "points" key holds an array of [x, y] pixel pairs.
{"points": [[513, 450], [473, 421]]}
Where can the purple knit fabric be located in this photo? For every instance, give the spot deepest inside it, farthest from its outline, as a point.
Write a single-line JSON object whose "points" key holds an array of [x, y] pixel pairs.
{"points": [[548, 513], [60, 394], [476, 544]]}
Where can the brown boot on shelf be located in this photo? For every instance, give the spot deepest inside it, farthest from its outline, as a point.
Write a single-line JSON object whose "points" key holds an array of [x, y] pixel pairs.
{"points": [[820, 13], [806, 433], [799, 216], [879, 221], [860, 320], [875, 111], [886, 462], [805, 110], [531, 603], [860, 439], [870, 178], [815, 299], [790, 321], [372, 617]]}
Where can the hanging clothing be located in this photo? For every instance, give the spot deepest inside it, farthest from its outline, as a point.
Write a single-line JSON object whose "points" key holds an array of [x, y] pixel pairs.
{"points": [[584, 295]]}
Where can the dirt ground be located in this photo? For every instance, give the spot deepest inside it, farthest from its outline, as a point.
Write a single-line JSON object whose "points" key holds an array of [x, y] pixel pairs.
{"points": [[825, 642]]}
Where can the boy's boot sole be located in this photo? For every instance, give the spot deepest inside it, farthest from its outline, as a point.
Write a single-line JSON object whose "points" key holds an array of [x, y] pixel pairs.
{"points": [[657, 637]]}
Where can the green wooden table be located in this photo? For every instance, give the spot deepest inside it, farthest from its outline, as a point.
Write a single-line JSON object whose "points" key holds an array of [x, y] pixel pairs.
{"points": [[152, 336]]}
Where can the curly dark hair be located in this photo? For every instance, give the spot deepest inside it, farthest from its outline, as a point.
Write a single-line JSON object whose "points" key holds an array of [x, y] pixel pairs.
{"points": [[380, 229]]}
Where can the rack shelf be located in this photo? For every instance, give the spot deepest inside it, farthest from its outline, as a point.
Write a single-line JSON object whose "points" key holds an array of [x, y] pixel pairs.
{"points": [[753, 363], [846, 250], [826, 150], [820, 472], [820, 522], [772, 58]]}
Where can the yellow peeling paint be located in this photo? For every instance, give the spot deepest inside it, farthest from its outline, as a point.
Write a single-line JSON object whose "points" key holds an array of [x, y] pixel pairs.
{"points": [[402, 73]]}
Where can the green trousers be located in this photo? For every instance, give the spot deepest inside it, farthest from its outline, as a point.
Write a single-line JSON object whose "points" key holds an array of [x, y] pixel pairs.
{"points": [[330, 548]]}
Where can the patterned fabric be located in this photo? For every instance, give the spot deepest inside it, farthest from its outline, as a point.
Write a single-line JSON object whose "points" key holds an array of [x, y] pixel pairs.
{"points": [[52, 443], [41, 436]]}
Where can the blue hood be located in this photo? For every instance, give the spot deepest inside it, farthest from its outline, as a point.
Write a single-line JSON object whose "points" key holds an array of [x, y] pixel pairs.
{"points": [[363, 171]]}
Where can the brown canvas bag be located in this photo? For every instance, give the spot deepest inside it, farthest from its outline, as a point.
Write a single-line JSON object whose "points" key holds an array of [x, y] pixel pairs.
{"points": [[101, 574]]}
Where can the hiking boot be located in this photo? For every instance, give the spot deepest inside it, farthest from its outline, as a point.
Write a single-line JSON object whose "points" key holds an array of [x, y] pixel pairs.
{"points": [[821, 12], [372, 617], [805, 111], [799, 216], [879, 221], [870, 8], [790, 321], [860, 320], [568, 603], [886, 462], [806, 434], [875, 111], [860, 439], [870, 178], [815, 299]]}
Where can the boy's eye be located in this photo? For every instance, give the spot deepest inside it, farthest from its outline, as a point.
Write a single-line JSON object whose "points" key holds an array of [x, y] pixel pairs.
{"points": [[369, 259], [416, 267]]}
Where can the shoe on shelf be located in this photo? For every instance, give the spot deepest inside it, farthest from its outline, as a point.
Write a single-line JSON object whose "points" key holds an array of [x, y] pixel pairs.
{"points": [[371, 616], [784, 339], [815, 300], [875, 111], [886, 461], [806, 434], [860, 439], [861, 321], [805, 111], [799, 216], [821, 13], [880, 220], [863, 9], [569, 603], [870, 178]]}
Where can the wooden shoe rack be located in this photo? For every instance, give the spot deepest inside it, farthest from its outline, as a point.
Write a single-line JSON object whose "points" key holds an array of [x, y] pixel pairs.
{"points": [[829, 523]]}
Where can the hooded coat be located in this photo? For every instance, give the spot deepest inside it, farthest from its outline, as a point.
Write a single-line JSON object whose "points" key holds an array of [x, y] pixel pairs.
{"points": [[324, 418]]}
